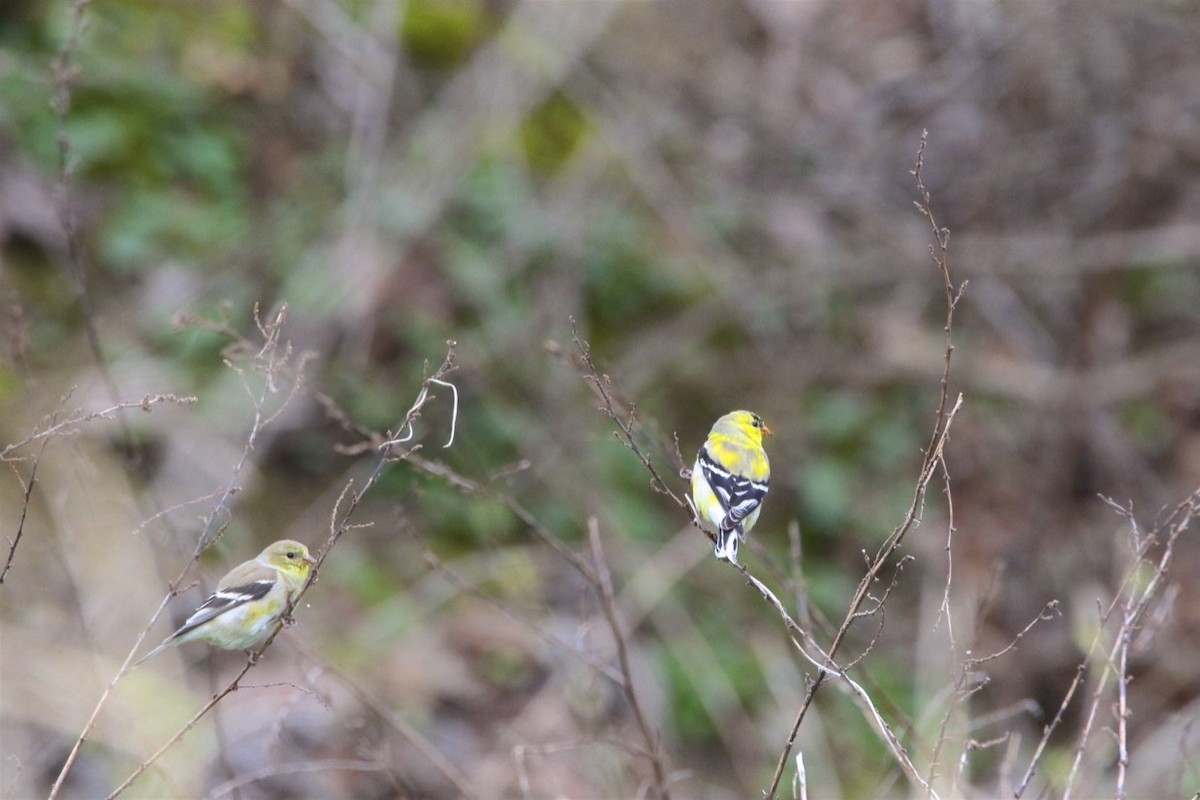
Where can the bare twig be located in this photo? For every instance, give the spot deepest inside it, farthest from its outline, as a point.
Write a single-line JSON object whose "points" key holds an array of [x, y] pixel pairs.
{"points": [[206, 538], [800, 782], [877, 564], [387, 714], [944, 609], [621, 412], [473, 487], [463, 586], [969, 682], [271, 361], [69, 426], [388, 456], [268, 360], [1137, 601], [826, 666], [1048, 612], [229, 689], [943, 417], [296, 768], [16, 540], [1135, 598], [889, 736], [415, 411], [1122, 709], [608, 605]]}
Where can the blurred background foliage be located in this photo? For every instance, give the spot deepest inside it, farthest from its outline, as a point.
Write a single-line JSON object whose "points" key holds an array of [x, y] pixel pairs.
{"points": [[719, 194]]}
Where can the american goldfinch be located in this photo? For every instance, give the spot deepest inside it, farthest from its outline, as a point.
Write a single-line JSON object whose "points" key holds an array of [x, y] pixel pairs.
{"points": [[730, 479], [249, 601]]}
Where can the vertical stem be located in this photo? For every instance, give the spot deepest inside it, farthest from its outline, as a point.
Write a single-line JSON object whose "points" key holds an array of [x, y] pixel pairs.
{"points": [[608, 604]]}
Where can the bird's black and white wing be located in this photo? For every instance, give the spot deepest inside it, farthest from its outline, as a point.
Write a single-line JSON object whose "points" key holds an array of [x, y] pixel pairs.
{"points": [[738, 495], [224, 600]]}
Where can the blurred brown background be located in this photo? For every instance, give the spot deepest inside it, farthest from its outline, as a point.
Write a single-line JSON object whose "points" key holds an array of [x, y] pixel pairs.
{"points": [[719, 193]]}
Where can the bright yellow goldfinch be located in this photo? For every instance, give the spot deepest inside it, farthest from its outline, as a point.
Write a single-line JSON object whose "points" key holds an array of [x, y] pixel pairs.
{"points": [[249, 601], [730, 479]]}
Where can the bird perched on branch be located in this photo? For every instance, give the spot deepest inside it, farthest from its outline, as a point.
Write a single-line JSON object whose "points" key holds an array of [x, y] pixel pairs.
{"points": [[249, 601], [730, 479]]}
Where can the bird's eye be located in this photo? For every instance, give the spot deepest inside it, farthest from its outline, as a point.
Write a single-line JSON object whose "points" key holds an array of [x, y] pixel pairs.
{"points": [[291, 554]]}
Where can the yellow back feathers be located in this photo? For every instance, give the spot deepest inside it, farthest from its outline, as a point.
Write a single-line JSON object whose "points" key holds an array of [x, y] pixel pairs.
{"points": [[730, 479]]}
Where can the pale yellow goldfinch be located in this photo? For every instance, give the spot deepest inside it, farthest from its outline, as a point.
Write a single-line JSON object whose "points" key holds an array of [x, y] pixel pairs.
{"points": [[249, 601], [730, 479]]}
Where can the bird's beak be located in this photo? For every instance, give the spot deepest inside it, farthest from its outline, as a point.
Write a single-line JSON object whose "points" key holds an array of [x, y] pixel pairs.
{"points": [[766, 430], [312, 562]]}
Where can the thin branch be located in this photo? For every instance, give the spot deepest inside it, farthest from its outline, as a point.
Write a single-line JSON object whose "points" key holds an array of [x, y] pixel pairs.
{"points": [[800, 781], [889, 736], [1048, 612], [943, 417], [388, 456], [472, 487], [1133, 610], [296, 768], [621, 412], [1122, 709], [28, 493], [967, 684], [205, 539], [861, 595], [1136, 603], [229, 689], [272, 363], [463, 586], [69, 426], [608, 605], [944, 608], [414, 412]]}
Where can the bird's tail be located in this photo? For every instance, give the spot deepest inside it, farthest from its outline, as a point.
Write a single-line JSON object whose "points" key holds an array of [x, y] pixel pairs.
{"points": [[727, 543], [153, 653]]}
